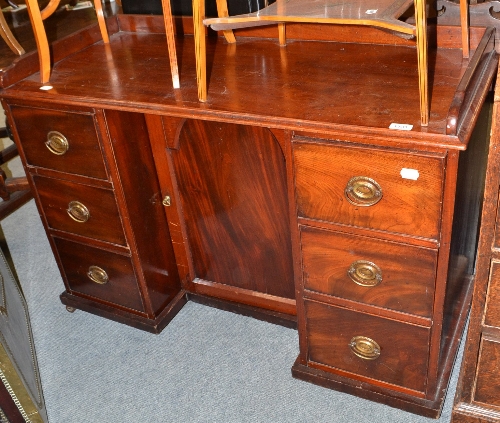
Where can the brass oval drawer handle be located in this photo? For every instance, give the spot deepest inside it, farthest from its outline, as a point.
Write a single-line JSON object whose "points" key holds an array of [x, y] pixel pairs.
{"points": [[78, 212], [365, 348], [365, 273], [98, 275], [57, 143], [363, 191]]}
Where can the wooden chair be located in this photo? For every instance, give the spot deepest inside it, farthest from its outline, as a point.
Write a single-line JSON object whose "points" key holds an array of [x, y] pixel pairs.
{"points": [[377, 13], [7, 35], [37, 17]]}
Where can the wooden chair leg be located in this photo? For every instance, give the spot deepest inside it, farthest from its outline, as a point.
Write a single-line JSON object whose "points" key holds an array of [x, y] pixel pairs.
{"points": [[8, 36], [101, 21], [464, 23], [50, 8], [200, 48], [282, 34], [40, 38], [223, 12], [172, 54], [421, 35]]}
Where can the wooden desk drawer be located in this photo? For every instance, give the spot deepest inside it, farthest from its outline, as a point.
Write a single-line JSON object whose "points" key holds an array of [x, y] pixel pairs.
{"points": [[385, 274], [487, 387], [335, 338], [83, 154], [324, 172], [118, 285], [58, 197]]}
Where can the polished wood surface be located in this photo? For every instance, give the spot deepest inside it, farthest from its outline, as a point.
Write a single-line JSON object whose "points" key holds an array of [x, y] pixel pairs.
{"points": [[477, 394], [487, 388], [403, 348], [103, 222], [407, 272], [121, 289], [377, 14], [83, 157], [323, 172], [227, 187], [131, 163], [387, 94], [236, 224]]}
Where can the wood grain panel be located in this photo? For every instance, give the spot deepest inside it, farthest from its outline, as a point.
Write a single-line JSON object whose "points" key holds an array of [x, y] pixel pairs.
{"points": [[407, 206], [488, 372], [404, 348], [84, 155], [142, 200], [492, 314], [408, 273], [104, 222], [232, 184], [121, 290]]}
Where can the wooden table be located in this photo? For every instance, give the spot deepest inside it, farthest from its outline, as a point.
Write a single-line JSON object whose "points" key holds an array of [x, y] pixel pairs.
{"points": [[321, 205]]}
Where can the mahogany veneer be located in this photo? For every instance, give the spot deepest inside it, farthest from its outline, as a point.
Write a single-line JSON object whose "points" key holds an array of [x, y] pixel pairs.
{"points": [[249, 202], [478, 395]]}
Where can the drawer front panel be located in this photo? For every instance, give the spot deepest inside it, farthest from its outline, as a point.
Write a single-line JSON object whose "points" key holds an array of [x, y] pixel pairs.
{"points": [[103, 221], [336, 336], [385, 274], [487, 386], [120, 285], [78, 152], [338, 184], [497, 225], [492, 315]]}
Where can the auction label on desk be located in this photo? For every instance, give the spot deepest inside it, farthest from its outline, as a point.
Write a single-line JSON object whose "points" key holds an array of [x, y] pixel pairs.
{"points": [[401, 126]]}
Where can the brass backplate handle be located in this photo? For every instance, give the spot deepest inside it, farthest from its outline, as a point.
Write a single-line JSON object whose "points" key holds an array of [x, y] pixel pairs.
{"points": [[57, 143], [365, 273], [363, 191], [78, 212], [97, 275], [365, 348]]}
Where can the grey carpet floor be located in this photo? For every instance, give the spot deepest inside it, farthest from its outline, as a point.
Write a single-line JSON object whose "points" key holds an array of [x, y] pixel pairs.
{"points": [[206, 366]]}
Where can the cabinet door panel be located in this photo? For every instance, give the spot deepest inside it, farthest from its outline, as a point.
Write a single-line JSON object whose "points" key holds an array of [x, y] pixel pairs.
{"points": [[232, 185]]}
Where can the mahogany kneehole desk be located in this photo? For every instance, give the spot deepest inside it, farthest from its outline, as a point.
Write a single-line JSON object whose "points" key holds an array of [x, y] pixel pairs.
{"points": [[286, 196]]}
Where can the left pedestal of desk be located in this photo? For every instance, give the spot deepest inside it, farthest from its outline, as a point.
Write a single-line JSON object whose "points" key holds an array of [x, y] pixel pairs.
{"points": [[94, 181]]}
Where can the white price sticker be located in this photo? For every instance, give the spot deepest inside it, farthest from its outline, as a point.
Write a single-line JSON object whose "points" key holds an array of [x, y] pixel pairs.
{"points": [[401, 126], [371, 11], [409, 174]]}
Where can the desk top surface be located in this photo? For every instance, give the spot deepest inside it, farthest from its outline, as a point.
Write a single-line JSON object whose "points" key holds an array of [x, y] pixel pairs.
{"points": [[306, 86]]}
